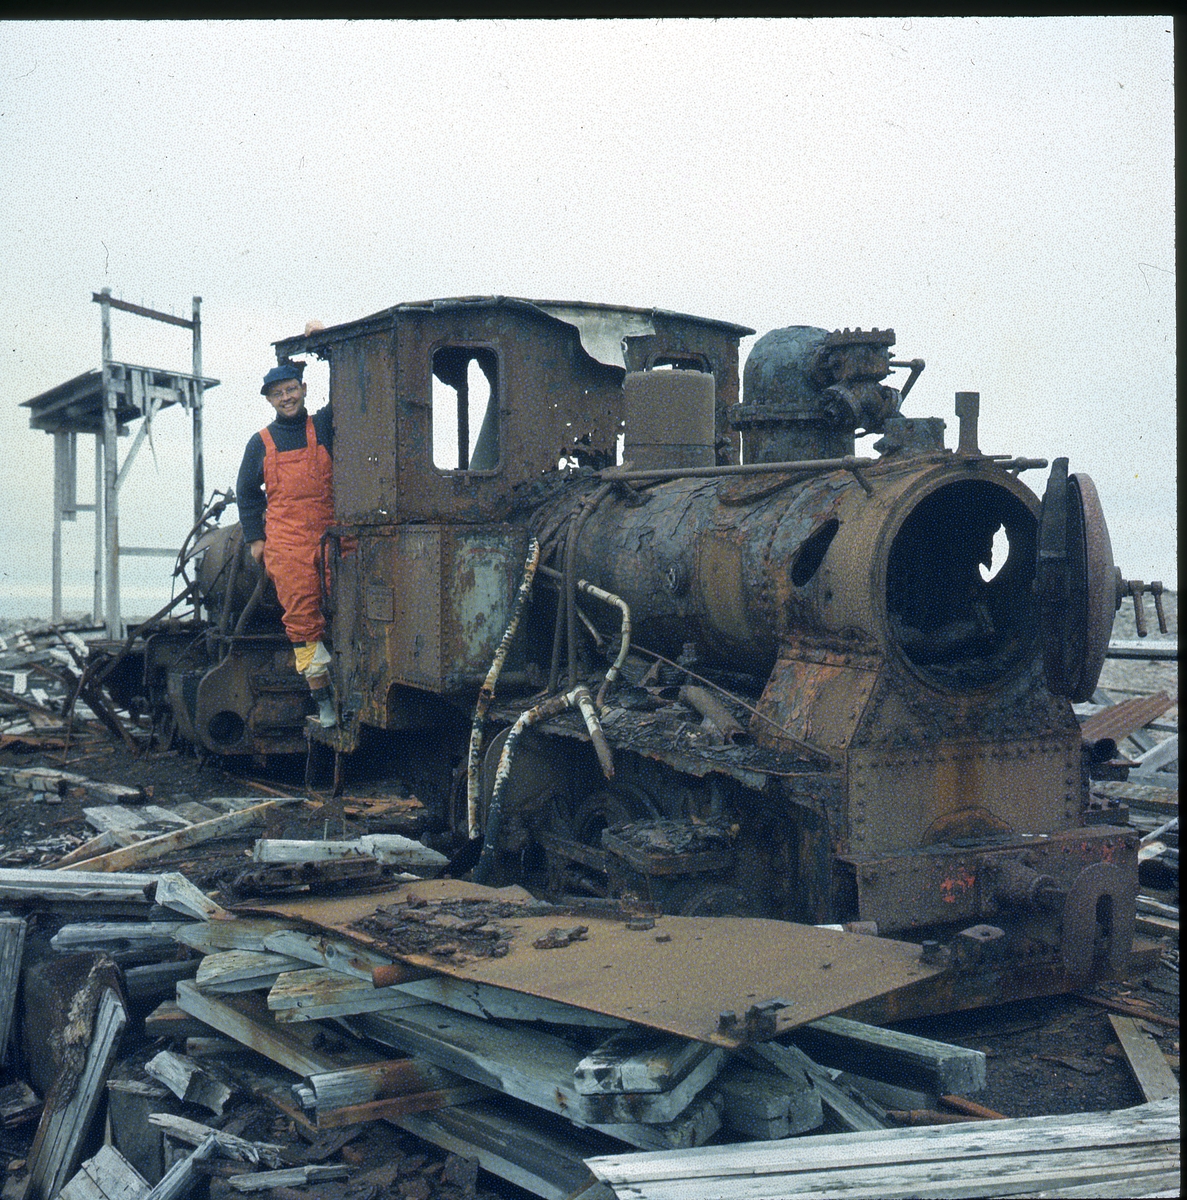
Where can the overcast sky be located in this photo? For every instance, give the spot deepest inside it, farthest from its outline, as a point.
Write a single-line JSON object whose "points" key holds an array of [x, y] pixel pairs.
{"points": [[999, 191]]}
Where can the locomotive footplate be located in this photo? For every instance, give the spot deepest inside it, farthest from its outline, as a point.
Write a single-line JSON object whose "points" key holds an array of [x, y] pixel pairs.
{"points": [[1067, 897]]}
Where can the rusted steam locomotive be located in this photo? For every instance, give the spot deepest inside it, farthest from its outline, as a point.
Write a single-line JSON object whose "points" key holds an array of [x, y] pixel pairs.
{"points": [[736, 669]]}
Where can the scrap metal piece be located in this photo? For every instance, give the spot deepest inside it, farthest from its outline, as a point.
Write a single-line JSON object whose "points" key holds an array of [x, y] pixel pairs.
{"points": [[664, 985]]}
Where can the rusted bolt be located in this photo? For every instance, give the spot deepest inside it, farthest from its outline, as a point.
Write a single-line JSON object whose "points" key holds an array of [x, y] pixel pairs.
{"points": [[727, 1020], [641, 923], [934, 954]]}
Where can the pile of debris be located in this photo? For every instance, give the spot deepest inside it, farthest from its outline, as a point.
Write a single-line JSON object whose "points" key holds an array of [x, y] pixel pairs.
{"points": [[46, 702], [338, 1014], [317, 1021]]}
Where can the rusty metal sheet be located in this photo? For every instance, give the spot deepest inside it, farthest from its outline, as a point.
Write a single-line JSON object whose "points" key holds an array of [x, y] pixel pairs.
{"points": [[1120, 720], [679, 975]]}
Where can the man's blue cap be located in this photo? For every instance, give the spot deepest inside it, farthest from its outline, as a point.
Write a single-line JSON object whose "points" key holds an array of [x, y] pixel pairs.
{"points": [[285, 370]]}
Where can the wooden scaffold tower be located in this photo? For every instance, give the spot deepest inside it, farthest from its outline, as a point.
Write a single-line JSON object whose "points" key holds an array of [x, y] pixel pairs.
{"points": [[106, 403]]}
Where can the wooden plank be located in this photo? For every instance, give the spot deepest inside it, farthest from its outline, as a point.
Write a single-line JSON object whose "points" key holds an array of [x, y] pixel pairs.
{"points": [[374, 1081], [12, 949], [531, 1066], [792, 1061], [104, 935], [333, 953], [164, 817], [1118, 721], [544, 1160], [23, 883], [289, 850], [241, 970], [238, 933], [194, 1133], [246, 1019], [175, 891], [766, 1104], [100, 843], [263, 1181], [1146, 1060], [180, 1178], [389, 848], [72, 1104], [180, 839], [637, 1061], [899, 1058], [962, 1153], [106, 1176], [107, 818], [652, 1108], [317, 993], [398, 1106]]}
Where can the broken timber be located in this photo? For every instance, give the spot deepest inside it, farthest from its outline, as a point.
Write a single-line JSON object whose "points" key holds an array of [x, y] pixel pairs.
{"points": [[12, 945], [72, 1103]]}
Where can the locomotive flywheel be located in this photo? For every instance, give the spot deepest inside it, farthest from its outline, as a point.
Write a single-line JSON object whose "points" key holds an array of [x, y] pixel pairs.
{"points": [[1078, 587]]}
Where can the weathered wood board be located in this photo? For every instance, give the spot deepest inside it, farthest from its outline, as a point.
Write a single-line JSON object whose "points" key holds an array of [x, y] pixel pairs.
{"points": [[1081, 1154]]}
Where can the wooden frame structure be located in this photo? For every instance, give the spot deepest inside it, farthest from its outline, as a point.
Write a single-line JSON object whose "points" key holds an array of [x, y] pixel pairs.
{"points": [[105, 403]]}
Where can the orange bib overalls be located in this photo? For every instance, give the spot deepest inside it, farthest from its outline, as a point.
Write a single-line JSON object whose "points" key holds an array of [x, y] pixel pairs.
{"points": [[300, 491]]}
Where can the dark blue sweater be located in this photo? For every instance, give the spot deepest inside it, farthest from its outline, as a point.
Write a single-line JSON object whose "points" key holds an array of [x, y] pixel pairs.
{"points": [[249, 487]]}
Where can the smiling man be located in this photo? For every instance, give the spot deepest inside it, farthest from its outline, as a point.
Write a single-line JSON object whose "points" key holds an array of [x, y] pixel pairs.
{"points": [[286, 503]]}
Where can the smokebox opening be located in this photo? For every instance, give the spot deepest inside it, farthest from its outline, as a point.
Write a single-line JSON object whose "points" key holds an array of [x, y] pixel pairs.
{"points": [[962, 616]]}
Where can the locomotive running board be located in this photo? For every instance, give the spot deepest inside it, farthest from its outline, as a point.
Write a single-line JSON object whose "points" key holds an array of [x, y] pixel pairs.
{"points": [[722, 980]]}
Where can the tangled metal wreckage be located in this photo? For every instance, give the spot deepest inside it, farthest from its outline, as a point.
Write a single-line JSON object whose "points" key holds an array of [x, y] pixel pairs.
{"points": [[806, 686]]}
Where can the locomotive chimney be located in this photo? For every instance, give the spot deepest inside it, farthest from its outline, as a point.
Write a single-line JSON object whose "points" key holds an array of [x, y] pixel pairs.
{"points": [[805, 392], [669, 418]]}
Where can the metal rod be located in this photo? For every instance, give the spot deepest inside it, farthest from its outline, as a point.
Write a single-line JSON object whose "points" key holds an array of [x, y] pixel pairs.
{"points": [[848, 463], [111, 564], [199, 459]]}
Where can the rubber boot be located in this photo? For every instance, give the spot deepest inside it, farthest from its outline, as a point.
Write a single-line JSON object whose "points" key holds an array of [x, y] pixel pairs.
{"points": [[323, 697]]}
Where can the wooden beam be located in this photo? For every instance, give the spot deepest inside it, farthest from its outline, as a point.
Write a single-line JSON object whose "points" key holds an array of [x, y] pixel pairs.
{"points": [[140, 311], [84, 886], [317, 993], [12, 949], [246, 1019], [1128, 1152], [899, 1058], [1146, 1060], [538, 1069], [175, 891], [241, 971]]}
